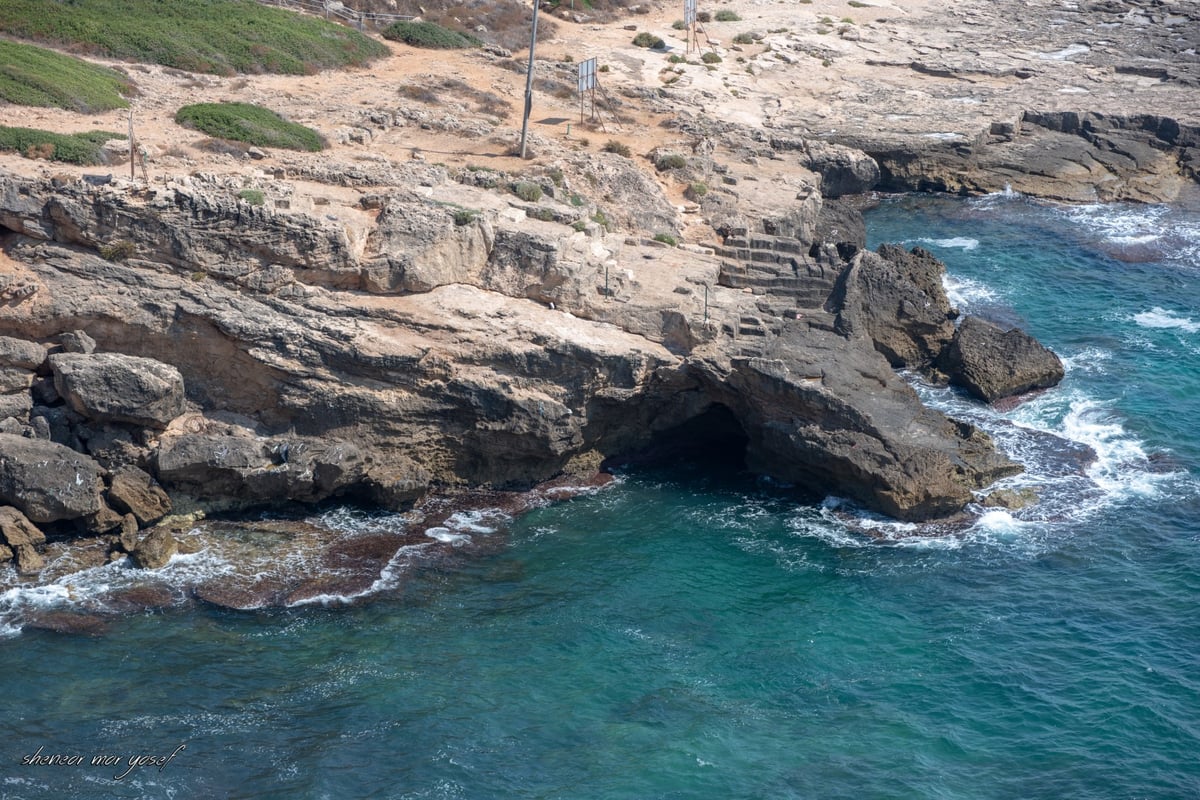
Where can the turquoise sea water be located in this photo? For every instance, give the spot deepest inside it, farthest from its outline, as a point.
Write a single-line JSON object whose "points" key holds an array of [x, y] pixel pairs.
{"points": [[694, 633]]}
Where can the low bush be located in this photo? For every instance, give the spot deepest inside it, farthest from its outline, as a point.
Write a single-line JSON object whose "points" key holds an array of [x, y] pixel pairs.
{"points": [[255, 125], [710, 58], [429, 35], [666, 239], [254, 197], [645, 39], [528, 191], [77, 148], [118, 250], [744, 38], [619, 148], [668, 161], [727, 15]]}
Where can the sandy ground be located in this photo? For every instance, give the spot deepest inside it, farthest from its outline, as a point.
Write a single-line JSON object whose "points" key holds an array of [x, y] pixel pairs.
{"points": [[820, 68]]}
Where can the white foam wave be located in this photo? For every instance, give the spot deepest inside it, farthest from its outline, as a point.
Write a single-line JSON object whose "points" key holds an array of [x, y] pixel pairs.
{"points": [[447, 536], [960, 242], [1090, 360], [1162, 318], [965, 293]]}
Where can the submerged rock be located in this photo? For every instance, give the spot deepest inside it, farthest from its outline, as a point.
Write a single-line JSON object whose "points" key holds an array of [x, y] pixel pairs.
{"points": [[155, 549]]}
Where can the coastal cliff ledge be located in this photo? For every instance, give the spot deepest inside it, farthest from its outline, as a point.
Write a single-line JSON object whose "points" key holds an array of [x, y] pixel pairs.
{"points": [[238, 369]]}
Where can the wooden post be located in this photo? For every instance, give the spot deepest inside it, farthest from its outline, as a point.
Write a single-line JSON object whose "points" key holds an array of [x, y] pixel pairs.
{"points": [[132, 177], [529, 79]]}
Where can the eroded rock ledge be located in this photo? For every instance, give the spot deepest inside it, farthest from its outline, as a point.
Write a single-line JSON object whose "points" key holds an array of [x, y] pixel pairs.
{"points": [[238, 356]]}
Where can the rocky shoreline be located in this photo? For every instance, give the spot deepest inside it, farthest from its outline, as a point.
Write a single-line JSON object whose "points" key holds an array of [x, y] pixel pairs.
{"points": [[384, 332]]}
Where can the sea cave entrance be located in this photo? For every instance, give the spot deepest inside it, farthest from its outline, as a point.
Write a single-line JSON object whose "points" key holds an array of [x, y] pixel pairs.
{"points": [[713, 437]]}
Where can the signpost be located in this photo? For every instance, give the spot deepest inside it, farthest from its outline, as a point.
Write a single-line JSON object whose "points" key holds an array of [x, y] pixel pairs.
{"points": [[689, 24], [587, 85]]}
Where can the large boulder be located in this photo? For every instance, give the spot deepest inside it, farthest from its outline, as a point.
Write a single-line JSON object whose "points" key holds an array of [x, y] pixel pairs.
{"points": [[843, 170], [113, 387], [993, 363], [132, 491], [16, 529], [895, 298], [155, 549], [48, 482], [21, 353], [238, 469], [20, 538]]}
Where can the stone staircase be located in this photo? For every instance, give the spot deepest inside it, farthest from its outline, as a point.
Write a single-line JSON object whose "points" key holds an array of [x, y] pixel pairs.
{"points": [[777, 266]]}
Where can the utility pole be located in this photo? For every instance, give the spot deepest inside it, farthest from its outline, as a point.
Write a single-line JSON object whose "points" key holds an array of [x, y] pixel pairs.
{"points": [[529, 79]]}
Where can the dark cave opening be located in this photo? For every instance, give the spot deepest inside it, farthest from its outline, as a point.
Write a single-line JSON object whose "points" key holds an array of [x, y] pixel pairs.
{"points": [[713, 437]]}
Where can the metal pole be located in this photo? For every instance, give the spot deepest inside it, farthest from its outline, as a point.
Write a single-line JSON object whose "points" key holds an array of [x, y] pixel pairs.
{"points": [[529, 80]]}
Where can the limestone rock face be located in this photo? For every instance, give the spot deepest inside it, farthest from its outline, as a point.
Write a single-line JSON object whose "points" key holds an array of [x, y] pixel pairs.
{"points": [[992, 363], [48, 482], [896, 299], [839, 420], [843, 170], [486, 350], [113, 387]]}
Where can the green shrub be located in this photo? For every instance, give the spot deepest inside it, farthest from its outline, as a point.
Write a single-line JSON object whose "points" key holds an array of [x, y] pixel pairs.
{"points": [[118, 250], [78, 148], [678, 25], [33, 76], [601, 219], [579, 225], [727, 15], [645, 39], [697, 189], [710, 58], [542, 213], [620, 148], [254, 197], [216, 36], [853, 4], [464, 216], [744, 38], [429, 35], [528, 191], [705, 16], [675, 58], [666, 238], [668, 161], [242, 122]]}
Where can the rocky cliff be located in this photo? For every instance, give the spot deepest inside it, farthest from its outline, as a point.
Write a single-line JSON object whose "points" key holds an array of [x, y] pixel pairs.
{"points": [[241, 355]]}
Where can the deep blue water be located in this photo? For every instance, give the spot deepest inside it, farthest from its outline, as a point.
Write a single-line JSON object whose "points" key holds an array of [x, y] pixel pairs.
{"points": [[693, 633]]}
